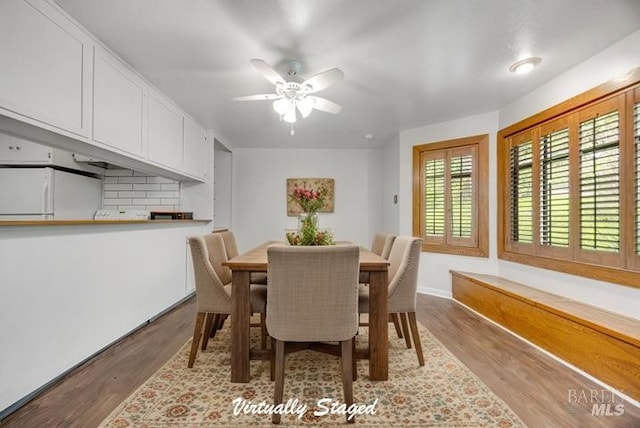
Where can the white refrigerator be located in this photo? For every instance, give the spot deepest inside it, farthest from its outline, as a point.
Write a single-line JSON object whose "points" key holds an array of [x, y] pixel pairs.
{"points": [[48, 194]]}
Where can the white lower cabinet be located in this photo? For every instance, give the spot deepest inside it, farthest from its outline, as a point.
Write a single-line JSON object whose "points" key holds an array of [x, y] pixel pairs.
{"points": [[44, 66], [118, 104]]}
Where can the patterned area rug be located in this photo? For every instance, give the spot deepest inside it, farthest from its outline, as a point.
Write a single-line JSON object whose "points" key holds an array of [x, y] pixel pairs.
{"points": [[443, 393]]}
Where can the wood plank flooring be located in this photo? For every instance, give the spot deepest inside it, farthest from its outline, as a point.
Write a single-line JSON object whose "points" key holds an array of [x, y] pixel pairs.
{"points": [[534, 385]]}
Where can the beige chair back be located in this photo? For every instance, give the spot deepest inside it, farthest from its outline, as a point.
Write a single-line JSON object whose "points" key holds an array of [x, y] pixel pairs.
{"points": [[313, 293], [207, 253], [382, 243], [404, 260], [229, 243]]}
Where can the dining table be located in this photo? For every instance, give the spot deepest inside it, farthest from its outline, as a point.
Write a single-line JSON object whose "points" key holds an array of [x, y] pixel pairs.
{"points": [[255, 260]]}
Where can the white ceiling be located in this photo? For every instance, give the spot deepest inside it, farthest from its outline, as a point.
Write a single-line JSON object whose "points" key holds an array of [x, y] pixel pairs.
{"points": [[407, 63]]}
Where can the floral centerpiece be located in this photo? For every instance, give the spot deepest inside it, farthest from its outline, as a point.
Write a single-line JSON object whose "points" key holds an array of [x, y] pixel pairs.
{"points": [[310, 201]]}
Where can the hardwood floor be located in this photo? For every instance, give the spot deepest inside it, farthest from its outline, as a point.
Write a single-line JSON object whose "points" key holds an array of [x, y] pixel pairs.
{"points": [[534, 385]]}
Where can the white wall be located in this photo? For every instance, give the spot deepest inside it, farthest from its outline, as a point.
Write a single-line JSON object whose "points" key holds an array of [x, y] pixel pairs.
{"points": [[68, 291], [610, 63], [259, 192], [222, 189], [434, 275], [390, 177]]}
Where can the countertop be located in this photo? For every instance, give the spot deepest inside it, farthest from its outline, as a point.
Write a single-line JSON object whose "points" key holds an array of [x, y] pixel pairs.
{"points": [[94, 222]]}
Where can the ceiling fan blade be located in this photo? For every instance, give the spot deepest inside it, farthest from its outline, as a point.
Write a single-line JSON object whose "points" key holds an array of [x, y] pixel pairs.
{"points": [[257, 97], [323, 80], [324, 104], [267, 71]]}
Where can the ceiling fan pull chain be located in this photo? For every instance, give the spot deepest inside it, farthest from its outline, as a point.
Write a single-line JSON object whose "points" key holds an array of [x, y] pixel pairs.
{"points": [[292, 131]]}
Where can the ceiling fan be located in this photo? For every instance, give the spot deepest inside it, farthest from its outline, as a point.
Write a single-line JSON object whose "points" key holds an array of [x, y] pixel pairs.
{"points": [[294, 93]]}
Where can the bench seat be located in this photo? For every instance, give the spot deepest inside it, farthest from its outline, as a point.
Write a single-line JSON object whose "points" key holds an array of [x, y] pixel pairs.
{"points": [[603, 344]]}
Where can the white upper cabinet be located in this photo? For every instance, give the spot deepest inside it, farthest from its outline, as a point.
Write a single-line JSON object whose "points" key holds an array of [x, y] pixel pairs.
{"points": [[14, 150], [195, 149], [118, 104], [54, 75], [164, 144], [44, 66]]}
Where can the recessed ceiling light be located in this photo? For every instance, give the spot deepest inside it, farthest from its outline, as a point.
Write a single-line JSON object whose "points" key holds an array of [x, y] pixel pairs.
{"points": [[368, 137], [524, 66]]}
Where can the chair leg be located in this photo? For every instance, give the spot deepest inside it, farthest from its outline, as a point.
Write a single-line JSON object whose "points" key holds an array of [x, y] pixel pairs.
{"points": [[279, 390], [354, 360], [197, 332], [208, 322], [214, 326], [263, 331], [405, 329], [223, 318], [396, 324], [272, 360], [416, 337], [347, 374]]}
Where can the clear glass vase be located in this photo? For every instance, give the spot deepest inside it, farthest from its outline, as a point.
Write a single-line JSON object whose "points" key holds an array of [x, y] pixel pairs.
{"points": [[307, 220]]}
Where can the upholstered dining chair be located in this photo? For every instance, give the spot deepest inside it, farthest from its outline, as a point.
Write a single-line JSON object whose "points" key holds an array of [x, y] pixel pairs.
{"points": [[381, 245], [231, 247], [213, 288], [313, 297], [404, 259]]}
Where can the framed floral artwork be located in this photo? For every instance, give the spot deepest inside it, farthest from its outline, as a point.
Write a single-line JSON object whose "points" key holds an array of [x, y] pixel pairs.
{"points": [[314, 186]]}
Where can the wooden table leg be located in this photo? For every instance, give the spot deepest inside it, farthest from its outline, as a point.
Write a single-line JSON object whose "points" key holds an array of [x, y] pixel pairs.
{"points": [[378, 326], [240, 326]]}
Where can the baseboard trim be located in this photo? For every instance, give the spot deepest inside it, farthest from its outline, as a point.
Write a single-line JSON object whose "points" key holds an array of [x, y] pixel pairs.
{"points": [[33, 395], [436, 292]]}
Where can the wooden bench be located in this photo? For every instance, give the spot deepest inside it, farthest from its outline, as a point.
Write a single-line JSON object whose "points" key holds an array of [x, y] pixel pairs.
{"points": [[603, 344]]}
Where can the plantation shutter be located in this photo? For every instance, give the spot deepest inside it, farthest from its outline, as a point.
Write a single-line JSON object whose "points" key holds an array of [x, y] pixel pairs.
{"points": [[462, 212], [521, 192], [554, 188], [636, 134], [599, 181], [434, 195], [450, 198]]}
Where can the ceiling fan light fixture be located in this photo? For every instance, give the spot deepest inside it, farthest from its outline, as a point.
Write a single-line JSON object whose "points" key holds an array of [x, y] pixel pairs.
{"points": [[290, 115], [292, 94], [281, 106], [305, 106], [525, 66]]}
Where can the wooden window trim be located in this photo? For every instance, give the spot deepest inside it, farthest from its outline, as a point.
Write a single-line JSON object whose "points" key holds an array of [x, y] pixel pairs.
{"points": [[629, 276], [481, 175]]}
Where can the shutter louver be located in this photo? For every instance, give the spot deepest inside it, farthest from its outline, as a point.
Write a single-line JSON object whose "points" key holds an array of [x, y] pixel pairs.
{"points": [[434, 197], [461, 168], [522, 193], [600, 183], [636, 127], [554, 189]]}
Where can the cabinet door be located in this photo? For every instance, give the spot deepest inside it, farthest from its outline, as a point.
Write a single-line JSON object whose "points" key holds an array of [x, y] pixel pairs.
{"points": [[118, 104], [195, 149], [15, 150], [164, 144], [44, 66]]}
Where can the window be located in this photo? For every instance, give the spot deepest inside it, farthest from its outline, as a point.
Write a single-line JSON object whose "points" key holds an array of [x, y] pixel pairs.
{"points": [[569, 186], [450, 196]]}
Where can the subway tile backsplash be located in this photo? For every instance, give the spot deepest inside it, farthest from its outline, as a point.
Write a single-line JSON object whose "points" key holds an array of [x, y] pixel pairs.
{"points": [[126, 189]]}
